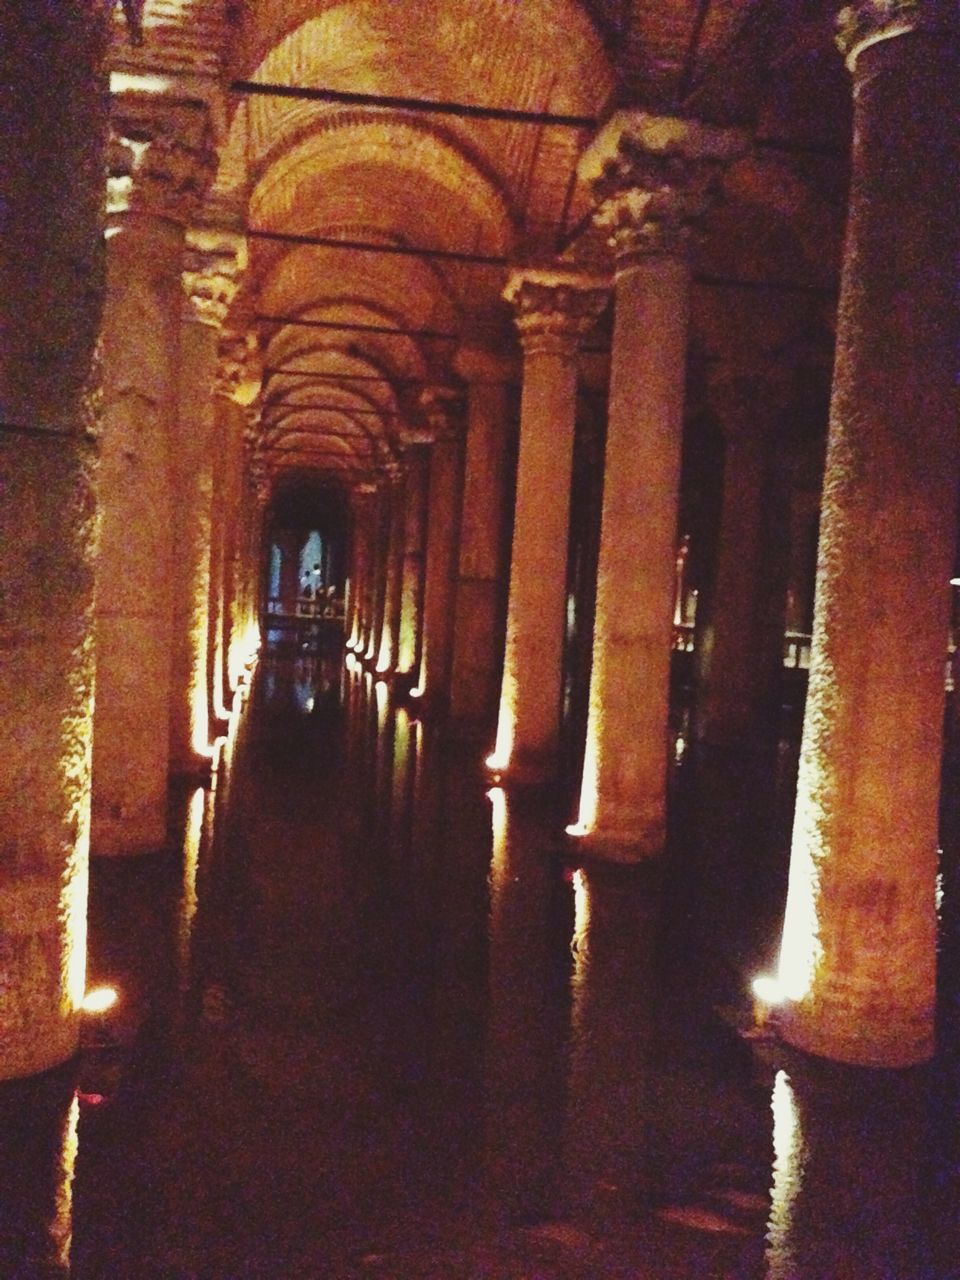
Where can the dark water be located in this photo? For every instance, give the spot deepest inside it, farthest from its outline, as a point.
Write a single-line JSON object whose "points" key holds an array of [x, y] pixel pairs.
{"points": [[372, 1024]]}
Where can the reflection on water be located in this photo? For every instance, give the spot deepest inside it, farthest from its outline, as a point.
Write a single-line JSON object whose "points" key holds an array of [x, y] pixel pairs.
{"points": [[849, 1195], [372, 1023]]}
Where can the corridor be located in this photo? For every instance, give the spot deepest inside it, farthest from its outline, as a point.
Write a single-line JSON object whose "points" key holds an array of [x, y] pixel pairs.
{"points": [[371, 1023]]}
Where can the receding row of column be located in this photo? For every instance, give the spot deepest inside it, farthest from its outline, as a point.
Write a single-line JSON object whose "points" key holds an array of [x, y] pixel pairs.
{"points": [[180, 528]]}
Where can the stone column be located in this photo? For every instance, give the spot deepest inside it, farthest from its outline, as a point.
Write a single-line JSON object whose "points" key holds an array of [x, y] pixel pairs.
{"points": [[477, 653], [229, 432], [380, 534], [158, 160], [858, 957], [52, 135], [651, 175], [233, 461], [443, 534], [210, 283], [416, 468], [553, 310], [740, 641], [361, 573], [256, 492], [390, 630]]}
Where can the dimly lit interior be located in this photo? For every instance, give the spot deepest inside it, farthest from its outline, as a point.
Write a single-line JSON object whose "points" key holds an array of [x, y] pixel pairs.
{"points": [[478, 613]]}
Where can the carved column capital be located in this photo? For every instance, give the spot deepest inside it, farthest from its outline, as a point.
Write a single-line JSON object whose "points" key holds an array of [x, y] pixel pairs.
{"points": [[238, 368], [554, 307], [653, 177], [160, 158], [440, 405], [870, 21], [213, 262]]}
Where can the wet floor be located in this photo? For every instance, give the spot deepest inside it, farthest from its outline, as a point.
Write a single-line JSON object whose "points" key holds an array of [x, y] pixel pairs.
{"points": [[373, 1023]]}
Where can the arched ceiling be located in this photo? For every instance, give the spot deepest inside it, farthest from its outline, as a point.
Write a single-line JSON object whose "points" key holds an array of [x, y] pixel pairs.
{"points": [[399, 179]]}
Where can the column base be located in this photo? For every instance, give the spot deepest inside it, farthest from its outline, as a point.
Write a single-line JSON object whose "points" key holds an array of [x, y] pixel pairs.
{"points": [[38, 1030], [887, 1038]]}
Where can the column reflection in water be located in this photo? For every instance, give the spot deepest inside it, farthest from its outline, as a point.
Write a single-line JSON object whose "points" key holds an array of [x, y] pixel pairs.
{"points": [[199, 818], [384, 746], [612, 1028], [406, 752], [38, 1152], [522, 1056], [848, 1200]]}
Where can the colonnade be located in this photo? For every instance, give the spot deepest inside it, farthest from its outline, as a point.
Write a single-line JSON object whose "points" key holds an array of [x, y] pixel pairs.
{"points": [[176, 599]]}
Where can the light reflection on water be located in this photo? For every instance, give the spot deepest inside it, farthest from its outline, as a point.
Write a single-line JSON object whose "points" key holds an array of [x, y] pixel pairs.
{"points": [[528, 1047], [61, 1228]]}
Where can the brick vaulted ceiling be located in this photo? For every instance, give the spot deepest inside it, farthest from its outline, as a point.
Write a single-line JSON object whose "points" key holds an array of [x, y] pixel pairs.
{"points": [[504, 190]]}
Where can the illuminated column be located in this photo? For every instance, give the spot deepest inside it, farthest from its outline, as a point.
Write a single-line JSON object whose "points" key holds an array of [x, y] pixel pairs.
{"points": [[416, 469], [380, 534], [476, 647], [390, 629], [443, 533], [51, 270], [740, 644], [256, 496], [158, 159], [234, 462], [235, 388], [553, 309], [651, 175], [362, 497], [209, 282], [859, 946]]}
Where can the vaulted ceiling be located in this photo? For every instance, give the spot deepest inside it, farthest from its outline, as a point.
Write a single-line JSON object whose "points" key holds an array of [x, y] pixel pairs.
{"points": [[351, 329]]}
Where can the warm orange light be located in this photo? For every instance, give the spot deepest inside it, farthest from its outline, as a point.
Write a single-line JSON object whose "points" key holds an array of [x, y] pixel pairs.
{"points": [[99, 1000]]}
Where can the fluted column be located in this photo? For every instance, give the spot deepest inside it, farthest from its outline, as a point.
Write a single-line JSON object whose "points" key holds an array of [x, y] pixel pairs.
{"points": [[740, 641], [52, 136], [443, 534], [390, 628], [553, 310], [209, 284], [158, 161], [416, 468], [651, 176], [859, 945], [477, 642]]}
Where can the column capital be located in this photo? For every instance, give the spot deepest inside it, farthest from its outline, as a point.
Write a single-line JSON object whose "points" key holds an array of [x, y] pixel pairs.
{"points": [[160, 158], [653, 176], [439, 405], [870, 21], [554, 307], [214, 259], [238, 374]]}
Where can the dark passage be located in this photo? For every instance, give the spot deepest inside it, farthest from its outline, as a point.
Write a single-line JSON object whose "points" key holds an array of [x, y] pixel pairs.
{"points": [[371, 1024]]}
